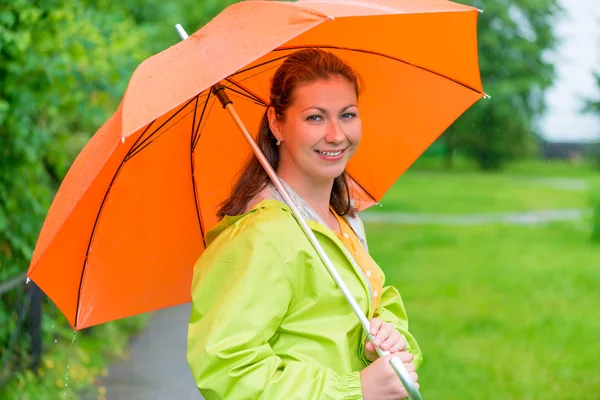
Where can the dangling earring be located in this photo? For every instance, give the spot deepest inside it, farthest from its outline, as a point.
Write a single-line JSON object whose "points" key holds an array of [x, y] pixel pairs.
{"points": [[278, 142]]}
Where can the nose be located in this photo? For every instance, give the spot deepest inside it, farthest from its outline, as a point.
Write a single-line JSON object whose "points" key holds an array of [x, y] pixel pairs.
{"points": [[335, 134]]}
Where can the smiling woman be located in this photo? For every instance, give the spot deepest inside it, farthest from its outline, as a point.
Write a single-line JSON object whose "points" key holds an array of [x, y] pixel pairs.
{"points": [[312, 116], [267, 319]]}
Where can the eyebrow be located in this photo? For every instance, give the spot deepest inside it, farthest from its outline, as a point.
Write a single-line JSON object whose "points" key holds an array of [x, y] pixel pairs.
{"points": [[324, 111]]}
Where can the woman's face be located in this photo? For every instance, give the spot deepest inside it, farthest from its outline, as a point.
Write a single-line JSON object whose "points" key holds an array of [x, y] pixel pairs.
{"points": [[320, 131]]}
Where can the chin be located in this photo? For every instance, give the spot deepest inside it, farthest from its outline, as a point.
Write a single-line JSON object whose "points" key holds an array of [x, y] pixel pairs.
{"points": [[329, 174]]}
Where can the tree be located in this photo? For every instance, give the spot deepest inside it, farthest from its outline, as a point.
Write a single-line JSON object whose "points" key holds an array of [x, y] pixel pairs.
{"points": [[593, 105], [513, 38], [63, 68]]}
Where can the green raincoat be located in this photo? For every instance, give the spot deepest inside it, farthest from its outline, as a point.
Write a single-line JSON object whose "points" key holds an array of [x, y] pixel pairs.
{"points": [[269, 322]]}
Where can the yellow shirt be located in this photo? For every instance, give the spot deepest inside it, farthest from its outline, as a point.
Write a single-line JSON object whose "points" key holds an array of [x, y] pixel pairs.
{"points": [[350, 240]]}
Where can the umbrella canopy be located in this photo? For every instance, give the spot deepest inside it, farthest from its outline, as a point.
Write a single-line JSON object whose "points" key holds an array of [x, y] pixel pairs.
{"points": [[127, 224]]}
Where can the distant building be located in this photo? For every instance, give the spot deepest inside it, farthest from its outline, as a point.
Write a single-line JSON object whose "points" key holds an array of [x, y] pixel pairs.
{"points": [[574, 151]]}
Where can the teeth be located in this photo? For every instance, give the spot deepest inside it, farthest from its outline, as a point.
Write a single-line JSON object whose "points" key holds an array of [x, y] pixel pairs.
{"points": [[330, 154]]}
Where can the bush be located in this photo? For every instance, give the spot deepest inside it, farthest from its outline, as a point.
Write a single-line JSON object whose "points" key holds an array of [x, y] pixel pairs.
{"points": [[72, 363]]}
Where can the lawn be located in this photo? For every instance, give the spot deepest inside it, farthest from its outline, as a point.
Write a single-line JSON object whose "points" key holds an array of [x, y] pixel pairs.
{"points": [[500, 311], [528, 167], [472, 192]]}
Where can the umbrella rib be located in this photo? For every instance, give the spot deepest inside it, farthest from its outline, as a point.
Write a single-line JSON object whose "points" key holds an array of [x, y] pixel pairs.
{"points": [[87, 252], [197, 129], [362, 188], [150, 138], [194, 130], [147, 143], [193, 135], [244, 96], [285, 48], [257, 65], [250, 93], [200, 126], [202, 118], [259, 72]]}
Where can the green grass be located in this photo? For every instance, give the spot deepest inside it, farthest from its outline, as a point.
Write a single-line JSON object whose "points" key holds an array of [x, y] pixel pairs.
{"points": [[501, 312], [475, 192], [554, 168], [527, 167]]}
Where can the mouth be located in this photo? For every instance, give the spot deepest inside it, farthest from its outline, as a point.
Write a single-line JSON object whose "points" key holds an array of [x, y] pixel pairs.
{"points": [[330, 153]]}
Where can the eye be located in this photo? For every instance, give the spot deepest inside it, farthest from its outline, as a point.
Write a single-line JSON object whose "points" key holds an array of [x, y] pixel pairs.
{"points": [[349, 115], [315, 117]]}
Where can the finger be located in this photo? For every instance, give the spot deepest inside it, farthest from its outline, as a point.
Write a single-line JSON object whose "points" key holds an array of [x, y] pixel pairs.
{"points": [[404, 356], [369, 347], [401, 345], [375, 325], [414, 376], [392, 340], [410, 367], [384, 333]]}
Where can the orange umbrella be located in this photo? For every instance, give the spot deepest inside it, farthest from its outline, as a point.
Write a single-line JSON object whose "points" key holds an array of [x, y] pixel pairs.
{"points": [[127, 224]]}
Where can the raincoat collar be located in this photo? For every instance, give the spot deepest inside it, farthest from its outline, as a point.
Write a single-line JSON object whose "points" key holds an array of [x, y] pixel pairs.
{"points": [[309, 214], [270, 196]]}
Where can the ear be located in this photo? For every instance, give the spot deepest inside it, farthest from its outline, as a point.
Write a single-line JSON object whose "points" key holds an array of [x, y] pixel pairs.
{"points": [[274, 123]]}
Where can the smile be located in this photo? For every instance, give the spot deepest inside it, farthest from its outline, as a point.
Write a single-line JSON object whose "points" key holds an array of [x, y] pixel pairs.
{"points": [[330, 153]]}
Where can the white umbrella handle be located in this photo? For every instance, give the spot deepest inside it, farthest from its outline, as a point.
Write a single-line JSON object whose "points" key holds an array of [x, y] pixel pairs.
{"points": [[395, 362]]}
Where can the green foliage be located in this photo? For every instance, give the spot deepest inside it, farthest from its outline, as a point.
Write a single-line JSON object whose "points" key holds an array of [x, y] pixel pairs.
{"points": [[593, 105], [73, 364], [513, 36], [64, 67]]}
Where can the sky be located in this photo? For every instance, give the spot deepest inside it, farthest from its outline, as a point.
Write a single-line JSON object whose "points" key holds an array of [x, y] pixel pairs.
{"points": [[576, 58]]}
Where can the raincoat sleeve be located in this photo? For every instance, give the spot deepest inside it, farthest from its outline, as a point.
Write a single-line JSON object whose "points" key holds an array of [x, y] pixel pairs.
{"points": [[391, 309], [241, 293]]}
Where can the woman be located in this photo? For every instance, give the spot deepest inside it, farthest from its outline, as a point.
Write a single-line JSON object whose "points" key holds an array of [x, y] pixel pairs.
{"points": [[268, 321]]}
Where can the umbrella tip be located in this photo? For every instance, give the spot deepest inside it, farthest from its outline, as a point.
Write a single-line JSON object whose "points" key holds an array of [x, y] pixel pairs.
{"points": [[486, 96], [182, 33]]}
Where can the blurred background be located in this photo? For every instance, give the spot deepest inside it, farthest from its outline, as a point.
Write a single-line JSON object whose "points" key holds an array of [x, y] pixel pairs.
{"points": [[492, 237]]}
